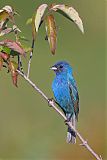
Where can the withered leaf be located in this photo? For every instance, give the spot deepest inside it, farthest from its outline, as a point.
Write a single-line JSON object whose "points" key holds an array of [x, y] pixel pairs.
{"points": [[5, 31], [6, 12], [37, 18], [13, 66], [4, 56], [1, 62], [15, 46], [70, 13], [51, 32], [3, 15]]}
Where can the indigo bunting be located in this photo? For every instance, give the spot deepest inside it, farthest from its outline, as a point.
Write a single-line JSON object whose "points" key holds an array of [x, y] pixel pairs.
{"points": [[66, 95]]}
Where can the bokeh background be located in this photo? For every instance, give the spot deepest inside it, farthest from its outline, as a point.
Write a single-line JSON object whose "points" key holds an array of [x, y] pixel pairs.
{"points": [[29, 129]]}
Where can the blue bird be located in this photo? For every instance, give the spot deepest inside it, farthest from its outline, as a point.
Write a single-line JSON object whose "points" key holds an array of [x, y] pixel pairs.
{"points": [[66, 95]]}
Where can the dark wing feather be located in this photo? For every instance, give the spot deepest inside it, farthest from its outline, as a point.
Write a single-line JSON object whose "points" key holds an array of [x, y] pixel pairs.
{"points": [[74, 95], [60, 106]]}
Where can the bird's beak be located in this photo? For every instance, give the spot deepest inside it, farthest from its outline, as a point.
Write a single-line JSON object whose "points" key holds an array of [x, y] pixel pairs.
{"points": [[53, 68]]}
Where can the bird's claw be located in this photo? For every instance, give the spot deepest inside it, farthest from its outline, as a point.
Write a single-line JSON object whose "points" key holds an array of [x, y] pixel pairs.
{"points": [[50, 101], [66, 122]]}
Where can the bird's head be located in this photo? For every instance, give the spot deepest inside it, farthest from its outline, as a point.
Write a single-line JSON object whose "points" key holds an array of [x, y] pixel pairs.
{"points": [[62, 67]]}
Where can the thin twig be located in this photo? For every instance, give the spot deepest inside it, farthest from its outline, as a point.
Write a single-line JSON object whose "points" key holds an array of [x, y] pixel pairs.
{"points": [[16, 31], [30, 59], [51, 103], [18, 57], [20, 67]]}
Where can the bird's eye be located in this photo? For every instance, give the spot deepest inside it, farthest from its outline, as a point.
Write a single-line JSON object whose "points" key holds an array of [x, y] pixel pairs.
{"points": [[61, 66]]}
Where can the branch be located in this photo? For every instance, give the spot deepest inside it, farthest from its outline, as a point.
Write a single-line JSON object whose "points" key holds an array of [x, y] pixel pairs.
{"points": [[31, 54], [51, 103], [16, 31]]}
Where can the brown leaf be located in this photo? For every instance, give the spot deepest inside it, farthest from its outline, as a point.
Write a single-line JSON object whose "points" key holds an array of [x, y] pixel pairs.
{"points": [[3, 15], [8, 9], [15, 46], [5, 31], [6, 12], [10, 12], [70, 13], [1, 62], [16, 29], [14, 78], [51, 32], [4, 56], [13, 66]]}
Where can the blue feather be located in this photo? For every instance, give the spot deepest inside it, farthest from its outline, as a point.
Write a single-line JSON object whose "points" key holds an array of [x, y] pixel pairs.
{"points": [[66, 94]]}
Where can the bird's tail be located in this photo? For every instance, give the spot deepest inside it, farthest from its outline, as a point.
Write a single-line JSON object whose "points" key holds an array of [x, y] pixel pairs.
{"points": [[71, 135]]}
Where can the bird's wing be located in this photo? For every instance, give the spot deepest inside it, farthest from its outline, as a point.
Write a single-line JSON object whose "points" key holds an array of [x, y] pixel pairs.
{"points": [[74, 95]]}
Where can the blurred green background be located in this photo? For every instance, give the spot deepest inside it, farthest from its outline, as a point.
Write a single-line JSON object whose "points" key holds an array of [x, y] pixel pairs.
{"points": [[29, 129]]}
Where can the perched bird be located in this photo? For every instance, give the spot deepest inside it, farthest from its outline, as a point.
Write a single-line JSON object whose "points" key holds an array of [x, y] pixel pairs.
{"points": [[66, 95]]}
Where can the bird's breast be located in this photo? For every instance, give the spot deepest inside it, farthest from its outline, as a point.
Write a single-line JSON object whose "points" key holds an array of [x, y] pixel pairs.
{"points": [[61, 92]]}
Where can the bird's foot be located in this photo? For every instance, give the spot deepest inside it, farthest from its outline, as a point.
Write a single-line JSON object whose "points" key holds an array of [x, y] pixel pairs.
{"points": [[66, 121], [50, 101]]}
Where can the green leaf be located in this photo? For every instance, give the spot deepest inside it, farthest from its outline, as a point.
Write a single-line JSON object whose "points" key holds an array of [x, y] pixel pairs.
{"points": [[29, 21], [14, 53], [1, 48], [5, 49], [51, 32], [23, 38], [70, 13]]}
